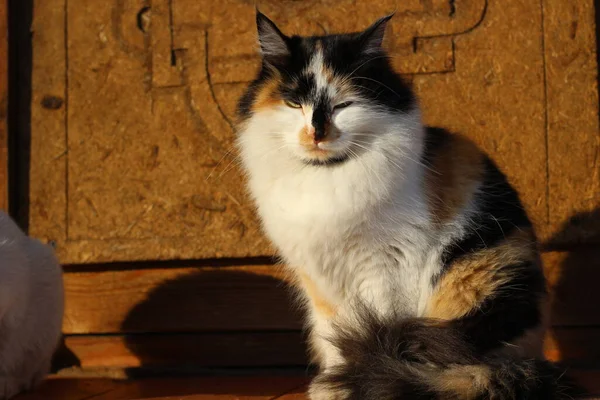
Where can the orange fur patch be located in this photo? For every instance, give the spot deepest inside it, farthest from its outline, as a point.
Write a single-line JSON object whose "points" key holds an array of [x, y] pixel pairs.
{"points": [[456, 170], [320, 305], [466, 381], [304, 138], [474, 278], [267, 95]]}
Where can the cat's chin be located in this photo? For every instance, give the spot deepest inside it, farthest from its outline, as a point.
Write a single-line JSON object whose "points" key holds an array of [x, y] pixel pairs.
{"points": [[328, 161]]}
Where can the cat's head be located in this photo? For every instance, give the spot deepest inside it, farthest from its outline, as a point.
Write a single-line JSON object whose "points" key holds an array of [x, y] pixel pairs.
{"points": [[324, 99]]}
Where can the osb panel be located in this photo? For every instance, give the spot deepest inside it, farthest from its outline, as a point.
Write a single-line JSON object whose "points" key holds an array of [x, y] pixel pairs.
{"points": [[137, 163], [185, 299], [3, 106], [573, 131]]}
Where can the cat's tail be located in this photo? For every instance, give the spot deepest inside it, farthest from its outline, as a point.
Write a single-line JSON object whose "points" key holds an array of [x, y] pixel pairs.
{"points": [[425, 359]]}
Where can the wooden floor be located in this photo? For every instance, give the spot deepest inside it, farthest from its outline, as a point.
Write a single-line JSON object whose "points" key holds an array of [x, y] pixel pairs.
{"points": [[202, 388]]}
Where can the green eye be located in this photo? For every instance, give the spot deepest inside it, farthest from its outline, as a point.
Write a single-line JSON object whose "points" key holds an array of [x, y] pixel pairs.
{"points": [[292, 104]]}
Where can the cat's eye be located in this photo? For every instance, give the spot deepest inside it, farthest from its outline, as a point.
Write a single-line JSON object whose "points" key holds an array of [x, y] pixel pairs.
{"points": [[292, 104], [342, 105]]}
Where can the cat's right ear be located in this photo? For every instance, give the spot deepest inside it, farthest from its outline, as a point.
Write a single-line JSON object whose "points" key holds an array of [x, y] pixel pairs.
{"points": [[273, 43]]}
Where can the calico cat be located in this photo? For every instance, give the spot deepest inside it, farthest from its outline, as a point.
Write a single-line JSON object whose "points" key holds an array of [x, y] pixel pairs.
{"points": [[31, 309], [415, 258]]}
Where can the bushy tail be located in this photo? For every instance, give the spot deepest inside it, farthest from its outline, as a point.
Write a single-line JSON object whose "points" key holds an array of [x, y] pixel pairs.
{"points": [[422, 359]]}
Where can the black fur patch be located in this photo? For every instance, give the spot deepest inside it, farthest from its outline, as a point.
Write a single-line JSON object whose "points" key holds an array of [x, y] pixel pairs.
{"points": [[509, 312], [398, 359], [500, 214], [369, 73], [380, 356]]}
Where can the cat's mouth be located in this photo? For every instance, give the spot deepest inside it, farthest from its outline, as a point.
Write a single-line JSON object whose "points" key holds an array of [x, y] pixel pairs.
{"points": [[322, 154], [338, 159]]}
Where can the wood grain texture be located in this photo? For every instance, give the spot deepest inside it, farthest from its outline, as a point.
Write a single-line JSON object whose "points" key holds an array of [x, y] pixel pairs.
{"points": [[573, 278], [189, 351], [3, 105], [179, 300], [261, 387], [106, 355], [576, 346], [203, 388], [187, 298]]}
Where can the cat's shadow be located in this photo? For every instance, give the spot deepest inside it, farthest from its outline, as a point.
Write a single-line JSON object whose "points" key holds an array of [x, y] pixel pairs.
{"points": [[572, 261], [222, 320]]}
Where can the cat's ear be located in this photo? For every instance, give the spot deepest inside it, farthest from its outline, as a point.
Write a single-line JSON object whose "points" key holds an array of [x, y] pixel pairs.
{"points": [[371, 38], [273, 43]]}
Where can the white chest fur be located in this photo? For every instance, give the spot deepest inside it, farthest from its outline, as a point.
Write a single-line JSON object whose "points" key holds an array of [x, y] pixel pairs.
{"points": [[358, 229]]}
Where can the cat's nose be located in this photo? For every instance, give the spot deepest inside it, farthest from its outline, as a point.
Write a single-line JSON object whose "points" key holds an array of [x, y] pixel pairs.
{"points": [[318, 135], [320, 123]]}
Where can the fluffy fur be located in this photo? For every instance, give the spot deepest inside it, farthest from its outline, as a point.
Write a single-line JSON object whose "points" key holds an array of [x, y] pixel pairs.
{"points": [[31, 309], [417, 262]]}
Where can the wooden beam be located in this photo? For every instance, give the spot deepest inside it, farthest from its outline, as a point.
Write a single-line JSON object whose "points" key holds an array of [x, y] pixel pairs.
{"points": [[103, 355], [181, 351], [186, 299]]}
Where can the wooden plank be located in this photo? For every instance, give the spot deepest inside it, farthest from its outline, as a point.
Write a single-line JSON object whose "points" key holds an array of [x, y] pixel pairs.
{"points": [[187, 298], [109, 354], [222, 388], [572, 114], [181, 351], [574, 346], [179, 299], [3, 105], [573, 278], [207, 388], [215, 388]]}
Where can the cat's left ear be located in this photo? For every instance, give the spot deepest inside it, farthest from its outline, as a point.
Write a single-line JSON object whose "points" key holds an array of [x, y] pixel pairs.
{"points": [[371, 38], [273, 43]]}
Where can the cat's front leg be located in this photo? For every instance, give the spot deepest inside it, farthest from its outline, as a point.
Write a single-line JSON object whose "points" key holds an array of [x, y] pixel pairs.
{"points": [[321, 313], [326, 355], [323, 351]]}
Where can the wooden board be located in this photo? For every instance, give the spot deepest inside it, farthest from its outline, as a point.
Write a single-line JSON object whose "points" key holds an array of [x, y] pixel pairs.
{"points": [[573, 281], [189, 351], [179, 300], [191, 298], [131, 143], [3, 106], [222, 388], [578, 346], [205, 388], [112, 354]]}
